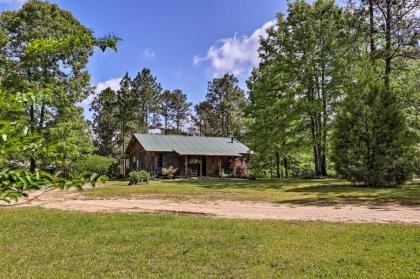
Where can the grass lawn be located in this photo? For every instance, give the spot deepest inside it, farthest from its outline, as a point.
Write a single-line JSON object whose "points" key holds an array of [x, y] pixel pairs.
{"points": [[293, 191], [40, 243]]}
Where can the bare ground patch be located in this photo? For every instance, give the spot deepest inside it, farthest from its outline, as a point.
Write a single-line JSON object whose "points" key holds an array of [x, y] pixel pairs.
{"points": [[70, 200]]}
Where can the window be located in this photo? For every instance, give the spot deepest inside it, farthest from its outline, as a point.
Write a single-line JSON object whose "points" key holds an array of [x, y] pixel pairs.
{"points": [[161, 163]]}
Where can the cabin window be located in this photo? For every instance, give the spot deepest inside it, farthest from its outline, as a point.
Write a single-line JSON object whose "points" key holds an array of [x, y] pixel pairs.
{"points": [[161, 162]]}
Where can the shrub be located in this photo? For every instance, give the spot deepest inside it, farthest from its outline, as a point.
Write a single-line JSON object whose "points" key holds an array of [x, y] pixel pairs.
{"points": [[305, 171], [96, 164], [137, 177], [371, 141], [169, 172], [241, 166]]}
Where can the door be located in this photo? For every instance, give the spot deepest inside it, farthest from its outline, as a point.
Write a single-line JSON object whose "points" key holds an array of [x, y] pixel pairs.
{"points": [[204, 166]]}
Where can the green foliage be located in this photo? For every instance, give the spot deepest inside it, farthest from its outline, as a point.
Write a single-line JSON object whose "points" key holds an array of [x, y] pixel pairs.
{"points": [[16, 141], [174, 109], [96, 164], [69, 139], [46, 57], [15, 184], [295, 90], [303, 171], [139, 177], [105, 125], [169, 171], [133, 108], [106, 42], [221, 113], [371, 141], [193, 161], [146, 91], [44, 51]]}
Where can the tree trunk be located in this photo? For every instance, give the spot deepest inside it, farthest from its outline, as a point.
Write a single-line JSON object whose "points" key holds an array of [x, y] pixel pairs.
{"points": [[388, 57], [123, 146], [286, 166], [372, 32], [177, 126], [277, 164], [32, 162], [271, 167], [316, 146], [324, 131], [41, 118]]}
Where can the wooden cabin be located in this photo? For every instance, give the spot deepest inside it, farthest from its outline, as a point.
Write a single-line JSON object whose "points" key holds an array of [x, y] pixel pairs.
{"points": [[190, 155]]}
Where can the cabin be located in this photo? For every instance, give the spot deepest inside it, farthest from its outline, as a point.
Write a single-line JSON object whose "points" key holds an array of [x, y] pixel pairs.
{"points": [[191, 155]]}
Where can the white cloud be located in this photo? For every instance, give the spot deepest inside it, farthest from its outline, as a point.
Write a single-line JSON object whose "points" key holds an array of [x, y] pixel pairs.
{"points": [[112, 83], [234, 55], [149, 54]]}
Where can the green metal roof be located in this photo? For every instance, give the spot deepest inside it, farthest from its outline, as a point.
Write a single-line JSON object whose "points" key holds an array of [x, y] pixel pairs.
{"points": [[192, 145]]}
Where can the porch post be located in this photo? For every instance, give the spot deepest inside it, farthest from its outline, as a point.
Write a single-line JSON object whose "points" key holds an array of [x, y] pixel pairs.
{"points": [[219, 164], [234, 166], [201, 166], [186, 167]]}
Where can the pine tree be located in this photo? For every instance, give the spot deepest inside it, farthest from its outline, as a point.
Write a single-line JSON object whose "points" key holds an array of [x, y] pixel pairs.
{"points": [[175, 110], [374, 139], [125, 114], [105, 123], [146, 91], [371, 140], [222, 111], [180, 109], [165, 109]]}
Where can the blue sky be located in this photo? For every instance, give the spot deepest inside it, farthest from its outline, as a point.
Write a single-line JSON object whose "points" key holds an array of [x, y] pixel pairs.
{"points": [[185, 42]]}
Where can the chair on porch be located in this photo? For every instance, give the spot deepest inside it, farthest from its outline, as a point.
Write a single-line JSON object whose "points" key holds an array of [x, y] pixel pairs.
{"points": [[192, 172]]}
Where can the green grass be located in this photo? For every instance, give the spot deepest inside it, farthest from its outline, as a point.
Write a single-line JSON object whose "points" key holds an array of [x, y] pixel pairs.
{"points": [[291, 191], [40, 243]]}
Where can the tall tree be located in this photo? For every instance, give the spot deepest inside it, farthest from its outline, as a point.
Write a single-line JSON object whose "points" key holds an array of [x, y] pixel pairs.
{"points": [[372, 143], [105, 123], [175, 109], [46, 51], [203, 119], [165, 104], [180, 108], [299, 80], [69, 138], [393, 32], [224, 103], [375, 139], [146, 91], [125, 114]]}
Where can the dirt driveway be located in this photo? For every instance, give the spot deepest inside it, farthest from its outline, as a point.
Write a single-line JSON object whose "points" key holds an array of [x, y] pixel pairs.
{"points": [[230, 209]]}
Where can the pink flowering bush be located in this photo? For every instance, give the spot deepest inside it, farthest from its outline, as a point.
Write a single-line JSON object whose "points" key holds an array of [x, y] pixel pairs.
{"points": [[241, 166]]}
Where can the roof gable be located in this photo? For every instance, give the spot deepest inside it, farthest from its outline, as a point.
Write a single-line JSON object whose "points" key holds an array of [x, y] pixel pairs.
{"points": [[192, 145]]}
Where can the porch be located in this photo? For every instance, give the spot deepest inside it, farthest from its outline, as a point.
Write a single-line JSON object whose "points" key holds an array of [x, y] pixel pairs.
{"points": [[187, 166]]}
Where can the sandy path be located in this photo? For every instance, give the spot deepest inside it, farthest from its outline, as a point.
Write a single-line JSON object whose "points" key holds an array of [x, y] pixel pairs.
{"points": [[232, 209]]}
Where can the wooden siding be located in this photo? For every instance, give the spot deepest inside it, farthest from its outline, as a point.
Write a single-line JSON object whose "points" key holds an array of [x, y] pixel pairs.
{"points": [[139, 159]]}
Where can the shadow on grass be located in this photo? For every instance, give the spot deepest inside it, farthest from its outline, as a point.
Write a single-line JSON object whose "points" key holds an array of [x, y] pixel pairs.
{"points": [[263, 184], [319, 192], [408, 195]]}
